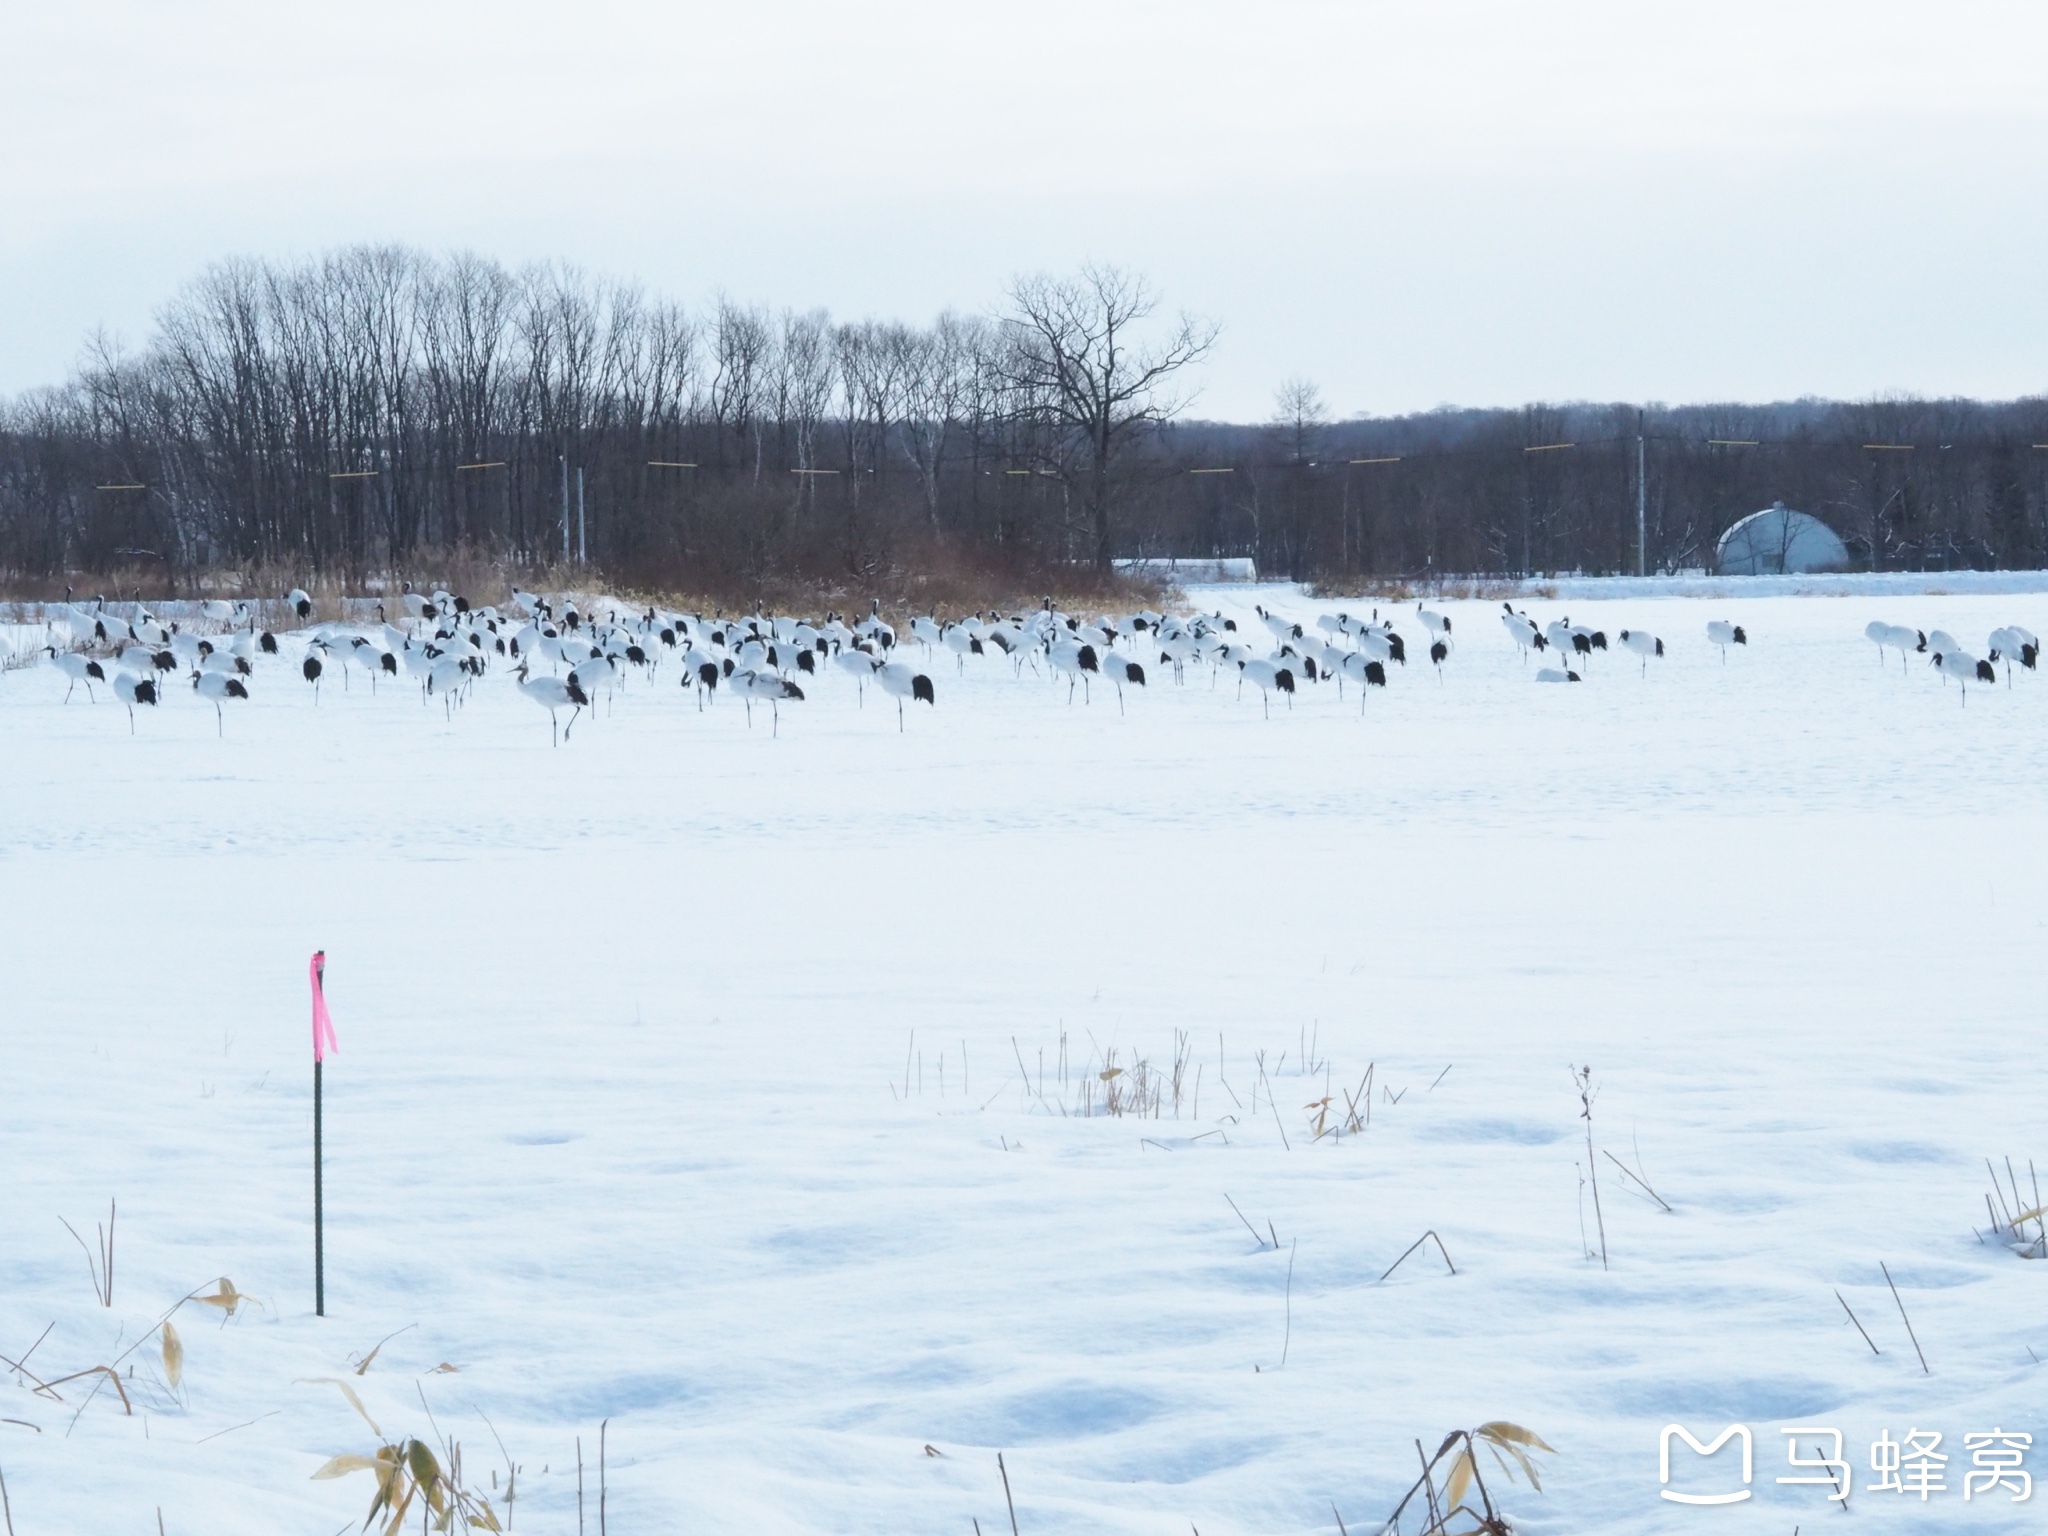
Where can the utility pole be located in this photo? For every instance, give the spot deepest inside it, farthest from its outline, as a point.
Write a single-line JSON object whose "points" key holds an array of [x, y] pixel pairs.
{"points": [[582, 548], [1642, 496], [563, 460]]}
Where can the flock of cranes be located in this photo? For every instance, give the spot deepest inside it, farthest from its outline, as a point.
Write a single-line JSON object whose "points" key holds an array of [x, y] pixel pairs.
{"points": [[1574, 644], [2008, 643], [565, 654]]}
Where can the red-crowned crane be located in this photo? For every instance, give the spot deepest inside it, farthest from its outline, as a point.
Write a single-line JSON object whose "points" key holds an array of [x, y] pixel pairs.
{"points": [[1367, 674], [1720, 632], [1523, 631], [963, 643], [553, 693], [219, 687], [701, 672], [897, 679], [132, 690], [1900, 637], [1964, 668], [2013, 643], [1076, 661], [1644, 644], [80, 669], [1269, 679], [1283, 629], [1120, 670], [769, 688]]}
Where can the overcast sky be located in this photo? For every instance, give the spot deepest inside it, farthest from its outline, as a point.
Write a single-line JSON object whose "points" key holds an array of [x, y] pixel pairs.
{"points": [[1412, 204]]}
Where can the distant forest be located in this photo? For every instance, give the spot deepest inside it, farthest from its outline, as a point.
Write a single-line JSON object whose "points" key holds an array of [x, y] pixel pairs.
{"points": [[368, 410]]}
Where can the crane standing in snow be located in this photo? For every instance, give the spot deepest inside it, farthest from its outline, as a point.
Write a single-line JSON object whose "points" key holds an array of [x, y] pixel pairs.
{"points": [[897, 679], [219, 687], [1644, 644], [1720, 632]]}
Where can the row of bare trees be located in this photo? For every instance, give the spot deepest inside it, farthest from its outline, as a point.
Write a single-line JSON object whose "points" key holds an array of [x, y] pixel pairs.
{"points": [[358, 411], [352, 411]]}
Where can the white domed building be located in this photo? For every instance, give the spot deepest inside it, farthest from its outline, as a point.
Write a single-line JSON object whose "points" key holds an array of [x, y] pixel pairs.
{"points": [[1778, 540]]}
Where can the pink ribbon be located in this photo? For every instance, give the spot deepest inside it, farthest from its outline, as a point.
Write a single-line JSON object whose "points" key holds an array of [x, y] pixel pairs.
{"points": [[323, 1026]]}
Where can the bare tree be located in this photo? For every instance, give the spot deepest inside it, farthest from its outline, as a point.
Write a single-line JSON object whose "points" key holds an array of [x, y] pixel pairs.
{"points": [[1302, 419], [1079, 355], [742, 341], [938, 380]]}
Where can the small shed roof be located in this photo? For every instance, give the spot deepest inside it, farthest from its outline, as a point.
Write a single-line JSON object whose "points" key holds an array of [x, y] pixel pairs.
{"points": [[1778, 540]]}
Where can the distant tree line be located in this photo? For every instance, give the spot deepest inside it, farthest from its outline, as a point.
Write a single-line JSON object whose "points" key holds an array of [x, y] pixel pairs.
{"points": [[364, 410], [1908, 484]]}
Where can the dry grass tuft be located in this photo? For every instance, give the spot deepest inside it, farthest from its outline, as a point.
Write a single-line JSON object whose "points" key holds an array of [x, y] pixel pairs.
{"points": [[408, 1471], [1447, 1510], [2009, 1222], [937, 584], [1410, 589]]}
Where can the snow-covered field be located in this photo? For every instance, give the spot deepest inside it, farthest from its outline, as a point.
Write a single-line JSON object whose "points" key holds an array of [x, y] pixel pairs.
{"points": [[679, 1086]]}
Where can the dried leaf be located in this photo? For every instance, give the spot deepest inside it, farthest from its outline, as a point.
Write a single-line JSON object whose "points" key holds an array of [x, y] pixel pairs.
{"points": [[341, 1466], [174, 1356], [348, 1392], [1501, 1435], [1500, 1429], [485, 1521], [425, 1471], [1113, 1072], [225, 1296], [444, 1369], [367, 1359], [2034, 1215], [1460, 1481]]}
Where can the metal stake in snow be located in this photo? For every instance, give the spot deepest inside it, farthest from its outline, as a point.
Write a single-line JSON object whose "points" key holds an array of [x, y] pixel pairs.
{"points": [[323, 1042]]}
